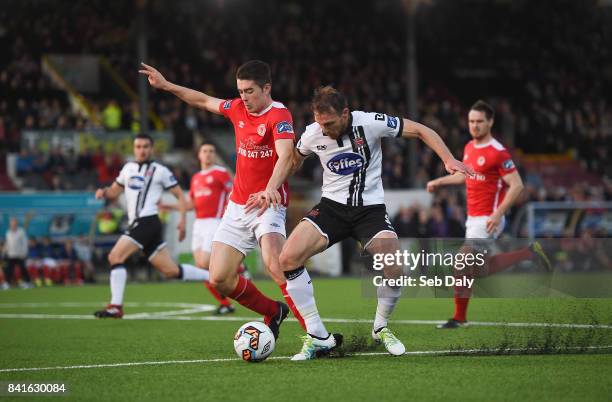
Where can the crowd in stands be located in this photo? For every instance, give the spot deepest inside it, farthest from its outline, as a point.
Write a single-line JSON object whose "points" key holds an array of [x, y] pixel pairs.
{"points": [[548, 85]]}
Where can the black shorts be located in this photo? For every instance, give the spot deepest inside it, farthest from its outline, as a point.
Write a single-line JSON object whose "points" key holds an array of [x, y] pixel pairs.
{"points": [[338, 221], [146, 232]]}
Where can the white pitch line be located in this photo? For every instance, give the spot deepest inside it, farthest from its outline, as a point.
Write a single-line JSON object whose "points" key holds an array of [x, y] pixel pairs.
{"points": [[168, 316], [193, 308], [166, 362]]}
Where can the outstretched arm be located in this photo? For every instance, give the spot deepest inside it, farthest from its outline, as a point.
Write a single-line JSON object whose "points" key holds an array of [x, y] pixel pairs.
{"points": [[449, 180], [192, 97], [412, 129], [175, 207], [109, 193]]}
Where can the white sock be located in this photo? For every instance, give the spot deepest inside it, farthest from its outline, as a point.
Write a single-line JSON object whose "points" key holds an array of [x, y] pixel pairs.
{"points": [[299, 287], [193, 273], [118, 278], [387, 299]]}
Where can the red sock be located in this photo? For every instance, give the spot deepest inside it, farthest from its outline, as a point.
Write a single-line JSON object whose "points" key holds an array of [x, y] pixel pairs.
{"points": [[63, 269], [55, 275], [78, 271], [46, 273], [501, 261], [250, 297], [17, 274], [461, 305], [462, 298], [221, 299], [33, 272], [291, 305]]}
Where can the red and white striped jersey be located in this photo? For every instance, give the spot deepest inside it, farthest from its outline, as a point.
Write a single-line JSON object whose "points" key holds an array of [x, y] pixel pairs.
{"points": [[209, 191], [486, 190]]}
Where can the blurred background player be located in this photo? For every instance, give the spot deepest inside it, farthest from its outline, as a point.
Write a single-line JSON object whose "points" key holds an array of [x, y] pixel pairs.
{"points": [[208, 195], [348, 145], [264, 141], [144, 181], [490, 194], [16, 252]]}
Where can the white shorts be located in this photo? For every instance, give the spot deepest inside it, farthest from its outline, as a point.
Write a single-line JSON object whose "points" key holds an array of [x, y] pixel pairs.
{"points": [[476, 228], [203, 233], [243, 231]]}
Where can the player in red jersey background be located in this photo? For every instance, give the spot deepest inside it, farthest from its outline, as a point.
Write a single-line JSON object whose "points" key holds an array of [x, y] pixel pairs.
{"points": [[264, 147], [490, 194], [208, 195]]}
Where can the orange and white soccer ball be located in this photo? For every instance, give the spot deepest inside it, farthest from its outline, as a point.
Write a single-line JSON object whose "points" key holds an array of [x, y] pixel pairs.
{"points": [[254, 341]]}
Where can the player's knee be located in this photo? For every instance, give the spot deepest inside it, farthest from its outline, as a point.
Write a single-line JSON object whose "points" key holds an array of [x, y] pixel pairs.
{"points": [[222, 285], [114, 258], [287, 260]]}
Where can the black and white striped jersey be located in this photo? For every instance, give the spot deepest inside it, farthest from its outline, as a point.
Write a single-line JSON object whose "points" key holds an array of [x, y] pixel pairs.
{"points": [[352, 163], [144, 184]]}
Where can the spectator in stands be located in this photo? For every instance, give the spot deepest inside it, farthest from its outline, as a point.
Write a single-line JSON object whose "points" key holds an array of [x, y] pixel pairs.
{"points": [[16, 251], [85, 161], [25, 162], [111, 116], [56, 161], [402, 221], [437, 226]]}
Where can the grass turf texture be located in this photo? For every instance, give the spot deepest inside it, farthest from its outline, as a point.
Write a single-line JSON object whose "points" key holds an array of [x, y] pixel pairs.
{"points": [[551, 364]]}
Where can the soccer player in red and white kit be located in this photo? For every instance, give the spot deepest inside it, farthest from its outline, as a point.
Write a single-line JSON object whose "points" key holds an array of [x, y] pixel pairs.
{"points": [[208, 195], [264, 141], [490, 194]]}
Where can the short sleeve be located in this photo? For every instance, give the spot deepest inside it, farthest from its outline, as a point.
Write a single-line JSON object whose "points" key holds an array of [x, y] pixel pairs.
{"points": [[385, 125], [168, 179], [302, 146], [120, 180], [506, 164], [226, 107], [226, 179], [191, 193], [283, 125]]}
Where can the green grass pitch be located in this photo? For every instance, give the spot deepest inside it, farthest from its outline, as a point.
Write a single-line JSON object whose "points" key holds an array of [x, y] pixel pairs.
{"points": [[191, 357]]}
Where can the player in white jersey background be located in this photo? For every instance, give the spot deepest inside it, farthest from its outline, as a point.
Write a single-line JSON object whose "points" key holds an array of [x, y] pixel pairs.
{"points": [[143, 182], [349, 147]]}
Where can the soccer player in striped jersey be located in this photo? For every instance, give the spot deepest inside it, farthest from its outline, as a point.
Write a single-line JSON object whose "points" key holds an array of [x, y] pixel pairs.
{"points": [[348, 144], [143, 181]]}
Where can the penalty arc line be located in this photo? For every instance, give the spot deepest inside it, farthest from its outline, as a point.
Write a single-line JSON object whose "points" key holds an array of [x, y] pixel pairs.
{"points": [[196, 361]]}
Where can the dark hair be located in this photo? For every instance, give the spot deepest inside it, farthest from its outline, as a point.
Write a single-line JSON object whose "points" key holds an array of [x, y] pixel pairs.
{"points": [[144, 137], [482, 106], [328, 99], [208, 143], [255, 70]]}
